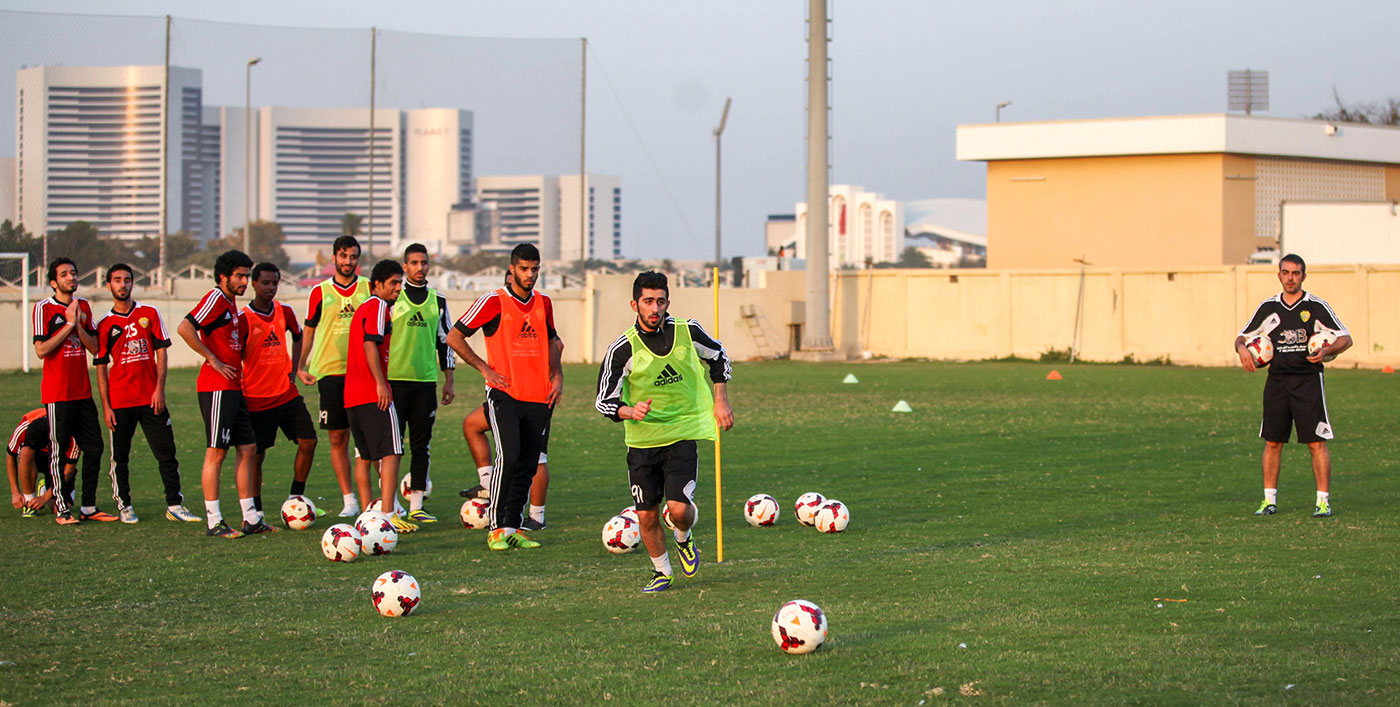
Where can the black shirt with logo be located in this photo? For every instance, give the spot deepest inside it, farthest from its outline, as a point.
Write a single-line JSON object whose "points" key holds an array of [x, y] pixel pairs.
{"points": [[1289, 328]]}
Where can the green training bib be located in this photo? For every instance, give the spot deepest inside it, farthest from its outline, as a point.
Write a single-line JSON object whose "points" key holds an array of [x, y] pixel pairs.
{"points": [[682, 406], [413, 349]]}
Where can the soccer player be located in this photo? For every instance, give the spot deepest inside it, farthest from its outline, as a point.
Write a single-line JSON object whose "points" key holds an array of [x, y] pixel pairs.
{"points": [[131, 353], [63, 338], [27, 464], [274, 403], [211, 329], [323, 355], [369, 401], [419, 350], [474, 429], [1293, 391], [524, 380], [652, 380]]}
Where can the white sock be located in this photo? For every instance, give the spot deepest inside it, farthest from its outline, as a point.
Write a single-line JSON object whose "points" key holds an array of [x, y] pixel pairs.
{"points": [[537, 512], [212, 515], [663, 563], [250, 511], [484, 474], [1271, 495], [507, 531], [1321, 497], [398, 510], [88, 510], [350, 501], [415, 500], [682, 536], [29, 497]]}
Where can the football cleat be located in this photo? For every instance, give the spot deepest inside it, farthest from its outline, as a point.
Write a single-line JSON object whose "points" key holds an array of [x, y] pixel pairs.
{"points": [[97, 515], [522, 541], [350, 511], [27, 512], [421, 516], [128, 515], [689, 557], [259, 528], [532, 524], [659, 583], [496, 540], [221, 530], [1322, 510], [401, 525], [320, 512], [181, 514], [65, 518], [1266, 508], [477, 491]]}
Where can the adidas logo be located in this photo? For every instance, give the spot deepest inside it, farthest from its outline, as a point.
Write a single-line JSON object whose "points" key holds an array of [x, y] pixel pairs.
{"points": [[347, 311], [417, 320], [528, 332], [271, 341], [668, 376]]}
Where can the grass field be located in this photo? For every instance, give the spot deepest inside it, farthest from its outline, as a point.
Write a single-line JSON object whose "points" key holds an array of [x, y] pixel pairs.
{"points": [[1011, 540]]}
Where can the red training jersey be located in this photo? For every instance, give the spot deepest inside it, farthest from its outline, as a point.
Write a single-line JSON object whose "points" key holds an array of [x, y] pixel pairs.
{"points": [[371, 323], [33, 432], [66, 369], [216, 318], [127, 345], [267, 364]]}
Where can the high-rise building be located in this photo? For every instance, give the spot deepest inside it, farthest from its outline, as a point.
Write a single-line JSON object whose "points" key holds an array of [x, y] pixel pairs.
{"points": [[544, 210], [865, 227], [604, 194]]}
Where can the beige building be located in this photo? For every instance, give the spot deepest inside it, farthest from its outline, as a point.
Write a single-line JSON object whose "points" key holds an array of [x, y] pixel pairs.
{"points": [[1176, 191]]}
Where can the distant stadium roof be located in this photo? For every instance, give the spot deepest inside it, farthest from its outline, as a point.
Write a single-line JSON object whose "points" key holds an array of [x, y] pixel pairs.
{"points": [[959, 219], [1180, 134]]}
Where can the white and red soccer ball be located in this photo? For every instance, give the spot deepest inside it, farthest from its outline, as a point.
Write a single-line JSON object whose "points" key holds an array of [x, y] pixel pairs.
{"points": [[1261, 349], [473, 514], [395, 593], [1322, 339], [761, 510], [621, 535], [666, 515], [376, 533], [832, 517], [807, 506], [404, 490], [341, 543], [799, 627], [630, 513], [298, 512]]}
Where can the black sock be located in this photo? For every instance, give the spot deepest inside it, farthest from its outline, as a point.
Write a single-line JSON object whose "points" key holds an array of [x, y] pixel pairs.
{"points": [[257, 503], [298, 488]]}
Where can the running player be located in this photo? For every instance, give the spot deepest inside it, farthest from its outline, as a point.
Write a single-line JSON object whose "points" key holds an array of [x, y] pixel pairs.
{"points": [[420, 325], [652, 380], [274, 402], [1293, 392], [63, 338], [211, 330], [27, 464], [524, 380], [369, 402], [131, 355], [474, 429], [323, 352]]}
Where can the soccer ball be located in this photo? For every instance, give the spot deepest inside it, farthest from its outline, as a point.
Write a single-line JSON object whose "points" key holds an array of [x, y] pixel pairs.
{"points": [[833, 517], [666, 515], [799, 626], [341, 543], [376, 503], [806, 507], [1320, 341], [1261, 349], [761, 509], [403, 487], [630, 513], [395, 593], [377, 533], [621, 535], [474, 514], [298, 513]]}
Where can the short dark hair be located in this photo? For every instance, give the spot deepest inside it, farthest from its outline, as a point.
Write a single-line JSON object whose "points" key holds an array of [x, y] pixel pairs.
{"points": [[263, 267], [649, 280], [345, 243], [1296, 259], [385, 269], [524, 251], [119, 266], [414, 248], [61, 260], [230, 261]]}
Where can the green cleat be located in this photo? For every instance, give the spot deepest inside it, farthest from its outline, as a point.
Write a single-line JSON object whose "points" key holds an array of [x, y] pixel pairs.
{"points": [[421, 516], [659, 583], [689, 557], [27, 512], [1323, 510], [521, 541], [496, 540], [1266, 509]]}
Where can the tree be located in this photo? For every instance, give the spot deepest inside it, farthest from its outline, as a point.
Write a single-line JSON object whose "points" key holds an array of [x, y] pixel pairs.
{"points": [[14, 239], [351, 224], [1385, 112], [265, 239], [179, 247], [912, 258], [82, 242]]}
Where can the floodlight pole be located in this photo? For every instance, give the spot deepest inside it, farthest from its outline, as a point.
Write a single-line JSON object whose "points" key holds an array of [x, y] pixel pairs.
{"points": [[1001, 105], [816, 331], [373, 59], [248, 150], [719, 135]]}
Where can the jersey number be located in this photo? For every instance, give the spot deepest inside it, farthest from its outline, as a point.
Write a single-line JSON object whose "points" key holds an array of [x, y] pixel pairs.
{"points": [[637, 494]]}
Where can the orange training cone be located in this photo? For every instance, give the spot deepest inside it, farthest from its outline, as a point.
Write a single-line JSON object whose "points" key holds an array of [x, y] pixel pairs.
{"points": [[1054, 376], [1387, 369]]}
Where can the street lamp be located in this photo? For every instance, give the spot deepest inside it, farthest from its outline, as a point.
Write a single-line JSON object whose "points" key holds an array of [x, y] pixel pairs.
{"points": [[1001, 105], [719, 133], [248, 149]]}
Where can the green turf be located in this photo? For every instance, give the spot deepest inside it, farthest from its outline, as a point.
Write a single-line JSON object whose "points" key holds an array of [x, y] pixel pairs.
{"points": [[1011, 535]]}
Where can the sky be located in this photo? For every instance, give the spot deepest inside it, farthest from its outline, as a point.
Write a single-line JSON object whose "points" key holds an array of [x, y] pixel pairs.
{"points": [[905, 74]]}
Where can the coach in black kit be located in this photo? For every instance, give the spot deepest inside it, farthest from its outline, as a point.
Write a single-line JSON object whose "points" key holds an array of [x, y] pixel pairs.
{"points": [[1294, 395]]}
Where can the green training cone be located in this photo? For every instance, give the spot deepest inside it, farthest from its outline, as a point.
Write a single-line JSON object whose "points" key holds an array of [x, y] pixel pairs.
{"points": [[850, 378], [902, 406]]}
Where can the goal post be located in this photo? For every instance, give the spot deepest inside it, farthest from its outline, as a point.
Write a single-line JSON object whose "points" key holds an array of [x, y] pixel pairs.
{"points": [[20, 280]]}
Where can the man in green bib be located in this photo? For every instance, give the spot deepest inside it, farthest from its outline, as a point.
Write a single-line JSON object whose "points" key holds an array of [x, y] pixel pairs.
{"points": [[323, 354], [417, 351], [653, 380]]}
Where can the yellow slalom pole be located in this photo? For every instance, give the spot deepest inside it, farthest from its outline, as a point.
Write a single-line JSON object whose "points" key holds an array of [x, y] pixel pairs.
{"points": [[719, 502]]}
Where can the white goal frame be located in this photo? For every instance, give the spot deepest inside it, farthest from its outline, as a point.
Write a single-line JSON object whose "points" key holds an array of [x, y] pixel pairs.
{"points": [[24, 313]]}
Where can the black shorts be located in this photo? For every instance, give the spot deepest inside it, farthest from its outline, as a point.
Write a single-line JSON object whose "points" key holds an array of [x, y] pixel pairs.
{"points": [[226, 419], [290, 417], [1295, 400], [375, 431], [332, 389], [672, 469]]}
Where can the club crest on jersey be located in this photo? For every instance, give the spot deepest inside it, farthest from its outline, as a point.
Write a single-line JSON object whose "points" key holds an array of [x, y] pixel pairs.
{"points": [[1305, 315], [528, 332], [667, 376], [145, 322], [417, 320]]}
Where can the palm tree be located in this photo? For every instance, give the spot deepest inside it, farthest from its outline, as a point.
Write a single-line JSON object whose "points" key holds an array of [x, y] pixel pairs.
{"points": [[351, 224]]}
